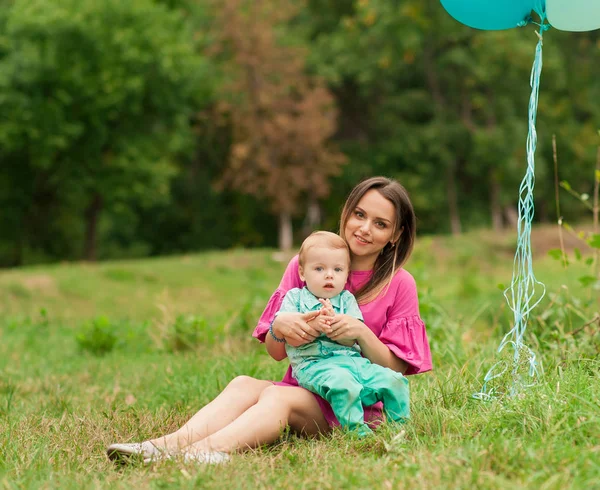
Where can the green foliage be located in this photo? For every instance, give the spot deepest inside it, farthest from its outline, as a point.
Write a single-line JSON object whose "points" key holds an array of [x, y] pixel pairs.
{"points": [[114, 101], [186, 333], [564, 329], [565, 325], [590, 240], [97, 98], [98, 336]]}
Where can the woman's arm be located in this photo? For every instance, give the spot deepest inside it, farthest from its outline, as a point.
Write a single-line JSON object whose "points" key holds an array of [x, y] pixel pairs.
{"points": [[296, 328], [275, 349], [379, 353]]}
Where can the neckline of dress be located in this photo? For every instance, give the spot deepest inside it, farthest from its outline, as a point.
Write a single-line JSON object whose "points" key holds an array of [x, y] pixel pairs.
{"points": [[361, 273]]}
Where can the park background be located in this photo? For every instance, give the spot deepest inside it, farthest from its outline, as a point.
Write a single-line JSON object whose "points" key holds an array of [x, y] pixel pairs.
{"points": [[154, 128], [157, 156]]}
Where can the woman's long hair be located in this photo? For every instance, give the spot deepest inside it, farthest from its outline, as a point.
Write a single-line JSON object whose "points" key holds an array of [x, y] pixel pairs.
{"points": [[392, 257]]}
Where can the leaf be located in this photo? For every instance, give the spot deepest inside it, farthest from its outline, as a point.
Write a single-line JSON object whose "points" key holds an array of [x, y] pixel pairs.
{"points": [[594, 242], [587, 280], [501, 287], [577, 253], [565, 185], [589, 261], [556, 253]]}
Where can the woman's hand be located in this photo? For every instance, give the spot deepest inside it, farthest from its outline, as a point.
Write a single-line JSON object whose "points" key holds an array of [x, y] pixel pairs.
{"points": [[297, 328], [345, 330]]}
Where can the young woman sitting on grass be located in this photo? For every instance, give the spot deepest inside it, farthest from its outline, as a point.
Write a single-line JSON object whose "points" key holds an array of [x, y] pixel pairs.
{"points": [[378, 223]]}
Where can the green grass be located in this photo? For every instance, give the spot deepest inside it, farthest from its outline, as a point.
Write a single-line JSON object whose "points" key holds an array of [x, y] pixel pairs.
{"points": [[61, 404]]}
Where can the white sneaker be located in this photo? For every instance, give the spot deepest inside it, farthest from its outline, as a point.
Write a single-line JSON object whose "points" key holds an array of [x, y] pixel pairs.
{"points": [[122, 453], [212, 457]]}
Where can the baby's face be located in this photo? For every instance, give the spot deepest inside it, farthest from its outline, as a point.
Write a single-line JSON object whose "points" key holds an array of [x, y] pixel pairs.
{"points": [[325, 271]]}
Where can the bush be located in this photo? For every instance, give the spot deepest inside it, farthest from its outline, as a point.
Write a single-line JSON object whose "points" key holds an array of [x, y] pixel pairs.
{"points": [[186, 333], [97, 336]]}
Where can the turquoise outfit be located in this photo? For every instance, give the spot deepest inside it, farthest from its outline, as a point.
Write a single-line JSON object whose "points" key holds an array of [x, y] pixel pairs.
{"points": [[339, 373]]}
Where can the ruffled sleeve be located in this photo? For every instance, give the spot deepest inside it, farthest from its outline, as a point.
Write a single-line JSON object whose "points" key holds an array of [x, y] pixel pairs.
{"points": [[291, 279], [404, 332]]}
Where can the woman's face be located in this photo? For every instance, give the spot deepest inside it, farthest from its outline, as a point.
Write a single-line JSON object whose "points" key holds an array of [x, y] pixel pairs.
{"points": [[369, 228]]}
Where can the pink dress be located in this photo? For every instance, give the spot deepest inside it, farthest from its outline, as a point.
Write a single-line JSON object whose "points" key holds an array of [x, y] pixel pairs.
{"points": [[393, 316]]}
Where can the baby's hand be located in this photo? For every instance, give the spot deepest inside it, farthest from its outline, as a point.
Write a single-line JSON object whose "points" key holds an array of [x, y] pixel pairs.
{"points": [[327, 314], [324, 324], [326, 308]]}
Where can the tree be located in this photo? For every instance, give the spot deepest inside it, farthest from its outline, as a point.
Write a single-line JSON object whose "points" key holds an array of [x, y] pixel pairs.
{"points": [[436, 104], [96, 101], [281, 118]]}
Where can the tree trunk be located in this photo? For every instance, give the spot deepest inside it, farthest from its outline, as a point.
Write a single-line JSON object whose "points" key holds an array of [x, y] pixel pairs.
{"points": [[313, 216], [285, 231], [512, 216], [17, 255], [495, 206], [92, 214], [455, 225], [435, 88]]}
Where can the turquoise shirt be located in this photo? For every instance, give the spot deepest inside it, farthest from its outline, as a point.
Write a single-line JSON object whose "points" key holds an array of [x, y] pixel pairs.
{"points": [[302, 301]]}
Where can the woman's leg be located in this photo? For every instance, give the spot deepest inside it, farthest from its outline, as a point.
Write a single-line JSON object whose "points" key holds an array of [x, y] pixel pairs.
{"points": [[262, 423], [239, 395]]}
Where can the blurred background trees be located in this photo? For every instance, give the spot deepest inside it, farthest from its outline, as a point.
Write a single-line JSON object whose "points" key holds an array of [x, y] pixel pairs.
{"points": [[154, 127]]}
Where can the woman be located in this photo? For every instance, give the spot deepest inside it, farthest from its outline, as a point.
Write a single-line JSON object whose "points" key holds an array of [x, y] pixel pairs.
{"points": [[378, 222]]}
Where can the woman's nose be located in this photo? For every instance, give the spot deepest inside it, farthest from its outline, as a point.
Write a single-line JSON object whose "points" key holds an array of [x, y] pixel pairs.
{"points": [[365, 228]]}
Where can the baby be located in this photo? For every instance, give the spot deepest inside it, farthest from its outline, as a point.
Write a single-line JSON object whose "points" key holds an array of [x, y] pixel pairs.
{"points": [[337, 372]]}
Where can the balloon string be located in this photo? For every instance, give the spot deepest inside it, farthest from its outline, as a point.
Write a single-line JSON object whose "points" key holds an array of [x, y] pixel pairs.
{"points": [[525, 291]]}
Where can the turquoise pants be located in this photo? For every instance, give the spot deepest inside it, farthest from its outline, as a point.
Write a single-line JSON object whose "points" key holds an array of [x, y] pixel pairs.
{"points": [[349, 382]]}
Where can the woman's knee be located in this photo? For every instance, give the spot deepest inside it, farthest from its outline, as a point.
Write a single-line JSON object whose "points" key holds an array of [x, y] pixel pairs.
{"points": [[302, 411], [273, 394], [298, 406], [247, 384]]}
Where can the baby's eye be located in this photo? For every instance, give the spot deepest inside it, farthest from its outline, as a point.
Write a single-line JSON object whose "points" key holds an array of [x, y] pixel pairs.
{"points": [[319, 269], [339, 269]]}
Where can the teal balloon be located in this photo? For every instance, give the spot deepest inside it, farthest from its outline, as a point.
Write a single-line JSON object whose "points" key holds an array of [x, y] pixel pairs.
{"points": [[574, 15], [491, 15]]}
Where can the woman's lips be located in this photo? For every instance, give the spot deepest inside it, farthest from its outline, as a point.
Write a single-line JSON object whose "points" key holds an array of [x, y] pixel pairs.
{"points": [[361, 240]]}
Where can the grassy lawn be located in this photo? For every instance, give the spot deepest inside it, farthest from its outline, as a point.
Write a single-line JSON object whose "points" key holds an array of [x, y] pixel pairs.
{"points": [[122, 351]]}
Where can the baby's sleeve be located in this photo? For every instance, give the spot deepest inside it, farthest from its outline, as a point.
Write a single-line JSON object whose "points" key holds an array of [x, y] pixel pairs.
{"points": [[404, 332], [290, 302], [351, 306], [290, 280]]}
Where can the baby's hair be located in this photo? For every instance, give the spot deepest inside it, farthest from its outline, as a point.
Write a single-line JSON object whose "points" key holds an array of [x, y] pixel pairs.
{"points": [[322, 239]]}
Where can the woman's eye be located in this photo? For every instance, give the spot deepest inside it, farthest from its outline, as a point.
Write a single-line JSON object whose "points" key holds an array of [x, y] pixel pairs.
{"points": [[380, 224], [359, 214]]}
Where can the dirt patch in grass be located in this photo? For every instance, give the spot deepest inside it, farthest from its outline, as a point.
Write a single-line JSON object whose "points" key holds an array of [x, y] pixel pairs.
{"points": [[547, 238], [41, 283], [490, 243]]}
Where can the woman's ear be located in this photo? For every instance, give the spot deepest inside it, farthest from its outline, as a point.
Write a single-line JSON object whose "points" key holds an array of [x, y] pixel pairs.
{"points": [[396, 239]]}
